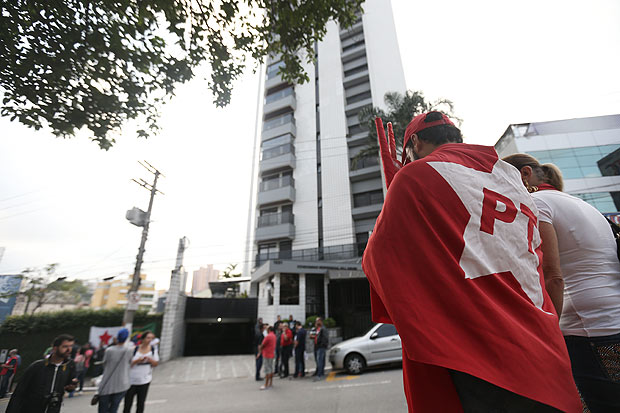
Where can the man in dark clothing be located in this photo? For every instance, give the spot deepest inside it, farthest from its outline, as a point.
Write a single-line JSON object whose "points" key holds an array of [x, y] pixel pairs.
{"points": [[300, 348], [321, 341], [258, 340], [277, 327], [286, 348], [44, 383]]}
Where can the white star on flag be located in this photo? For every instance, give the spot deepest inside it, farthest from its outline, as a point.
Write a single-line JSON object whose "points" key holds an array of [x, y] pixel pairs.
{"points": [[499, 241]]}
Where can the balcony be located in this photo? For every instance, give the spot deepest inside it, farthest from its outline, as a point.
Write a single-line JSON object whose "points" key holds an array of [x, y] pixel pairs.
{"points": [[355, 107], [273, 80], [352, 31], [354, 53], [276, 190], [334, 252], [358, 138], [284, 161], [275, 226], [356, 78], [365, 168], [367, 211], [280, 125], [286, 103]]}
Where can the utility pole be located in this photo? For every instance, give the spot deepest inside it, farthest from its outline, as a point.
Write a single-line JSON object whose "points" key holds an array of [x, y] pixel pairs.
{"points": [[135, 284]]}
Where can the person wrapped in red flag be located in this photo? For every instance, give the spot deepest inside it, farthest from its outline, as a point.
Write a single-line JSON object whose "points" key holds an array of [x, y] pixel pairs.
{"points": [[454, 262]]}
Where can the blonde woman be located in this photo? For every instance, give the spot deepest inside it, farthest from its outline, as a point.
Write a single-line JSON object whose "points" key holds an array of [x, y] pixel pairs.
{"points": [[582, 276]]}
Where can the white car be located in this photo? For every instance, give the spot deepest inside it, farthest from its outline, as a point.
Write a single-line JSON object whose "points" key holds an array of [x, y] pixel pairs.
{"points": [[380, 345]]}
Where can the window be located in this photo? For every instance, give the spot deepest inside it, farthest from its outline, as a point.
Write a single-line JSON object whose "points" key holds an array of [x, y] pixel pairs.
{"points": [[368, 198], [277, 141], [386, 330], [272, 69], [289, 289], [272, 97], [277, 151], [576, 162], [278, 121], [362, 240], [365, 162], [270, 288]]}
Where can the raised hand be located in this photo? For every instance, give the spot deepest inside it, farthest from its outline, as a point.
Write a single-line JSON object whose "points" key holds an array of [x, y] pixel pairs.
{"points": [[391, 164]]}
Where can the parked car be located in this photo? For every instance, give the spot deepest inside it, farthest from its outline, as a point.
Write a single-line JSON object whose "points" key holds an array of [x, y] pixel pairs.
{"points": [[380, 345]]}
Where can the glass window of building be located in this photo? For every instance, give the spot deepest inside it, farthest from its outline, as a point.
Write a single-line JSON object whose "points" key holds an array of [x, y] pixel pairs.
{"points": [[576, 163], [289, 289], [368, 198]]}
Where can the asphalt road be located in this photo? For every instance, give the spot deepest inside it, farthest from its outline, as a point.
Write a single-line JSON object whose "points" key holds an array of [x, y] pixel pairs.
{"points": [[377, 390]]}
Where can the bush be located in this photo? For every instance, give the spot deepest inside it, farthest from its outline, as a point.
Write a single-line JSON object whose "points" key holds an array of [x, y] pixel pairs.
{"points": [[328, 322], [310, 321], [32, 334], [66, 320]]}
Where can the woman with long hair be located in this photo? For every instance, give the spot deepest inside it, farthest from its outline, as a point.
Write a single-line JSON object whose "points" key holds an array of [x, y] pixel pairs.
{"points": [[145, 357], [582, 276]]}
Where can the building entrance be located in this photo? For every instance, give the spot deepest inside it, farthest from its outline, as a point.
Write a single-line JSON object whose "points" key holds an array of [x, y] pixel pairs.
{"points": [[349, 305]]}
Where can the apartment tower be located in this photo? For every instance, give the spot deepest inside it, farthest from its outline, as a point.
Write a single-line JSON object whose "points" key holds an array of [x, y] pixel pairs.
{"points": [[315, 208]]}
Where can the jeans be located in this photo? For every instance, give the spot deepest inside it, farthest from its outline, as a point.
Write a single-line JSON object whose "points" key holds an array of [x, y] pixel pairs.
{"points": [[595, 362], [320, 362], [140, 391], [259, 365], [286, 355], [477, 395], [300, 363], [109, 403], [4, 383]]}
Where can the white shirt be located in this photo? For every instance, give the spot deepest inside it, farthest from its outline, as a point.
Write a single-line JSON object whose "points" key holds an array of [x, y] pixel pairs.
{"points": [[589, 264], [142, 373]]}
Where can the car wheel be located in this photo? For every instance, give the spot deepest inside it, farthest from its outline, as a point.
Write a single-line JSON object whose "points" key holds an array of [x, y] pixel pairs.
{"points": [[354, 363]]}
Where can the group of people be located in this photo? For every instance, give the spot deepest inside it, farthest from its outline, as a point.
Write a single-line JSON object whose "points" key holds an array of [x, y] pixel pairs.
{"points": [[274, 346], [504, 289], [127, 373]]}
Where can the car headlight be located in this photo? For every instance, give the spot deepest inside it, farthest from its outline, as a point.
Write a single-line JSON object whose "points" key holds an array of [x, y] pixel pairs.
{"points": [[334, 350]]}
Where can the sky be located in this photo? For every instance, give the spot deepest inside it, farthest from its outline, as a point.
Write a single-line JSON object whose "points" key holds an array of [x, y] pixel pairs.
{"points": [[64, 200]]}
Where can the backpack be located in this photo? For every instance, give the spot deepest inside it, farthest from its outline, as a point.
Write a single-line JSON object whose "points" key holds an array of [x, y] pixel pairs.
{"points": [[615, 229], [135, 350]]}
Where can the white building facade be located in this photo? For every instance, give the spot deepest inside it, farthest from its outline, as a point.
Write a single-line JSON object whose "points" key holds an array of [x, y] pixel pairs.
{"points": [[587, 151], [314, 208]]}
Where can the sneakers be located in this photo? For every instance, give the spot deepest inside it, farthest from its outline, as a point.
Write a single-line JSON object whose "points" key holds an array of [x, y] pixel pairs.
{"points": [[263, 387]]}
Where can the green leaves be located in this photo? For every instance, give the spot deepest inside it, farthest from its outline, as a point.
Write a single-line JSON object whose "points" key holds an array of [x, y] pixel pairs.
{"points": [[51, 51], [401, 110]]}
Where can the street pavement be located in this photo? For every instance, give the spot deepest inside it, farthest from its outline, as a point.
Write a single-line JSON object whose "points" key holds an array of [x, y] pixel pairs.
{"points": [[226, 384]]}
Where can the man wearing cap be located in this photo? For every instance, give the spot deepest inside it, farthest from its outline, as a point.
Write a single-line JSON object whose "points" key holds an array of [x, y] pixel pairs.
{"points": [[454, 262], [115, 381]]}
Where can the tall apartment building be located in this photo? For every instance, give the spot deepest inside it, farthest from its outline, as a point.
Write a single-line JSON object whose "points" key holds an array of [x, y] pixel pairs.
{"points": [[587, 151], [202, 277], [113, 294], [314, 208]]}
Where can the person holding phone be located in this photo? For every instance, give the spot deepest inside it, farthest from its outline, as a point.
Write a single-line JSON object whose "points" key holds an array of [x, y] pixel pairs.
{"points": [[141, 373]]}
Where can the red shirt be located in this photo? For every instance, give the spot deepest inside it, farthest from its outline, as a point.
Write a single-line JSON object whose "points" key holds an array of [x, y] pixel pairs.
{"points": [[10, 361], [269, 346], [286, 339]]}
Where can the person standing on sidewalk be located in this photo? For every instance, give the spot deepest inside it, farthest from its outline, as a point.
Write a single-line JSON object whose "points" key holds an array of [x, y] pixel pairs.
{"points": [[267, 350], [8, 371], [286, 349], [300, 349], [258, 339], [321, 341], [115, 381], [141, 373], [41, 388]]}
